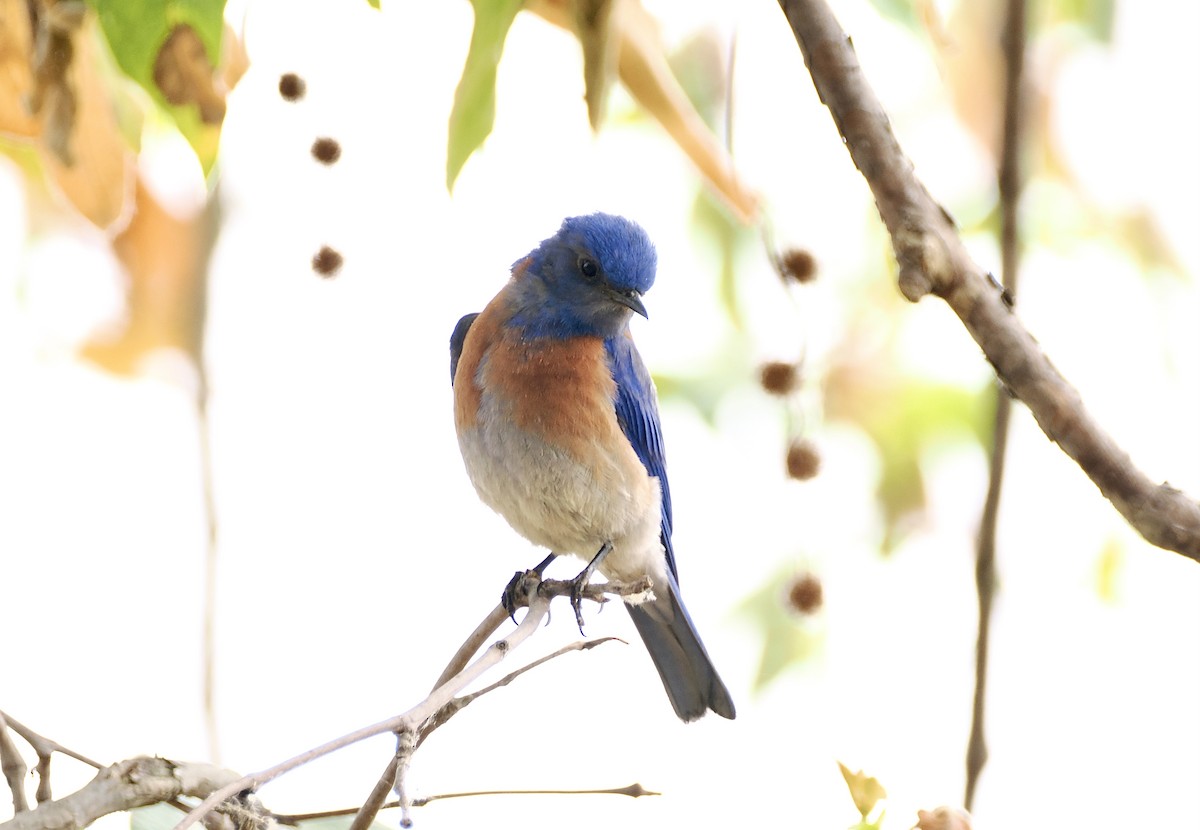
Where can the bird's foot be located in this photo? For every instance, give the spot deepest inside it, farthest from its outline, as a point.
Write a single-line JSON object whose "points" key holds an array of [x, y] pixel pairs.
{"points": [[512, 598], [580, 582]]}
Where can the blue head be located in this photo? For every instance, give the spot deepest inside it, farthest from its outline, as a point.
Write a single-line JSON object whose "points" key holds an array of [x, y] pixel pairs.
{"points": [[586, 279]]}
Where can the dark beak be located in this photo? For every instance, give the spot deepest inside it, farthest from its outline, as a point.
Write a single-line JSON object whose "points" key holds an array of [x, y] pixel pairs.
{"points": [[631, 300]]}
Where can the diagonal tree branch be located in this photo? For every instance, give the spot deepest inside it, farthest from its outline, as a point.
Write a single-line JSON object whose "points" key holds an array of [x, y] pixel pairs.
{"points": [[933, 260]]}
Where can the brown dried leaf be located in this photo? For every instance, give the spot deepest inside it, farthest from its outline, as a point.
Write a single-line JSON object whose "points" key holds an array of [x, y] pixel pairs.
{"points": [[53, 96], [163, 258], [16, 71], [184, 74], [96, 179], [972, 67], [593, 25]]}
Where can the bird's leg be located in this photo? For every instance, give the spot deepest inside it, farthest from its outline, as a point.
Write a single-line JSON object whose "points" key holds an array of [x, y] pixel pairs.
{"points": [[509, 598], [580, 582]]}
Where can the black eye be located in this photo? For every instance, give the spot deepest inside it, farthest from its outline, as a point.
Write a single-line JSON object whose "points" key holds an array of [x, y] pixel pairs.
{"points": [[588, 267]]}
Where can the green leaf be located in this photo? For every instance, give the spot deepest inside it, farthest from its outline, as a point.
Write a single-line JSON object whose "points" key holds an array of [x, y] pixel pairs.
{"points": [[1095, 17], [899, 11], [905, 416], [136, 31], [727, 237], [474, 111]]}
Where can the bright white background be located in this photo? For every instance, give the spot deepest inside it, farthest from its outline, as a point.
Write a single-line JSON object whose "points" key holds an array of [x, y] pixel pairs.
{"points": [[354, 556]]}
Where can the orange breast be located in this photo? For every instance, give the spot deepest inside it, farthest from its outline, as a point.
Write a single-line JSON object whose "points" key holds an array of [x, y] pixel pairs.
{"points": [[559, 390]]}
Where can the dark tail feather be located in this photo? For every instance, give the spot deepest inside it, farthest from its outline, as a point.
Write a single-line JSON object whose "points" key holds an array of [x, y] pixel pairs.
{"points": [[687, 673]]}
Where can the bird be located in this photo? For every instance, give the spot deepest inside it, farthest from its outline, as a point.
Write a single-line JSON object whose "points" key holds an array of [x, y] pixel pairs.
{"points": [[557, 421]]}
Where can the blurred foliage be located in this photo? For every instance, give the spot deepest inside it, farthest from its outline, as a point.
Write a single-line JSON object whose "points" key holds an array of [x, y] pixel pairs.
{"points": [[474, 111], [903, 12], [625, 44], [1109, 563], [60, 91], [1095, 17], [789, 638], [728, 238], [171, 49], [866, 382]]}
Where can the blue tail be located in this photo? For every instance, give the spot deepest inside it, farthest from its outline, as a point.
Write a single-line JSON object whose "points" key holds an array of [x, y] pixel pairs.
{"points": [[687, 673]]}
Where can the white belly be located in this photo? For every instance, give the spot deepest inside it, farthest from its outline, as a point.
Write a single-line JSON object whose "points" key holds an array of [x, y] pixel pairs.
{"points": [[556, 501]]}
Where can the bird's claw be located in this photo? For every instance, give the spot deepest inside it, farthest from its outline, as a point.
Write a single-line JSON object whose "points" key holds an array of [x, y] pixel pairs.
{"points": [[508, 599], [577, 586], [514, 595], [581, 581]]}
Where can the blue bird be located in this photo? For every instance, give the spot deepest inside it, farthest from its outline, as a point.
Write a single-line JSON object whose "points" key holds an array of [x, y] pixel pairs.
{"points": [[559, 430]]}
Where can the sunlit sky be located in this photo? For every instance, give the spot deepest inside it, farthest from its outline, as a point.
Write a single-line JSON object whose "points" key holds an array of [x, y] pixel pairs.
{"points": [[354, 556]]}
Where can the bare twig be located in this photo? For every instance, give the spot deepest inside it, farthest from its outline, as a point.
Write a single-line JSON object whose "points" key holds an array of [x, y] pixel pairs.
{"points": [[633, 791], [208, 226], [491, 623], [44, 746], [932, 259], [1009, 179], [406, 745], [538, 595], [123, 786], [459, 703], [364, 815], [44, 792], [14, 768]]}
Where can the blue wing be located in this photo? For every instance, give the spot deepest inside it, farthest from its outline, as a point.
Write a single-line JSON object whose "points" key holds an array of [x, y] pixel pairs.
{"points": [[456, 342], [637, 413]]}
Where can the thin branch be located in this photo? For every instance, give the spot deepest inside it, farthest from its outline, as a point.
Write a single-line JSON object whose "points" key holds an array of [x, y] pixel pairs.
{"points": [[633, 791], [406, 745], [14, 768], [207, 225], [932, 259], [364, 815], [491, 623], [1009, 181], [44, 792], [459, 703], [44, 746]]}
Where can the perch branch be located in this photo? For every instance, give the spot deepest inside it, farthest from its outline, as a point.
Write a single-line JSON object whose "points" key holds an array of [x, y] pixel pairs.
{"points": [[123, 786], [931, 259], [538, 595]]}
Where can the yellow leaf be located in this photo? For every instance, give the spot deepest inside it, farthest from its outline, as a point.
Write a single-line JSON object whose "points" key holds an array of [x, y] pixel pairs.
{"points": [[865, 791]]}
